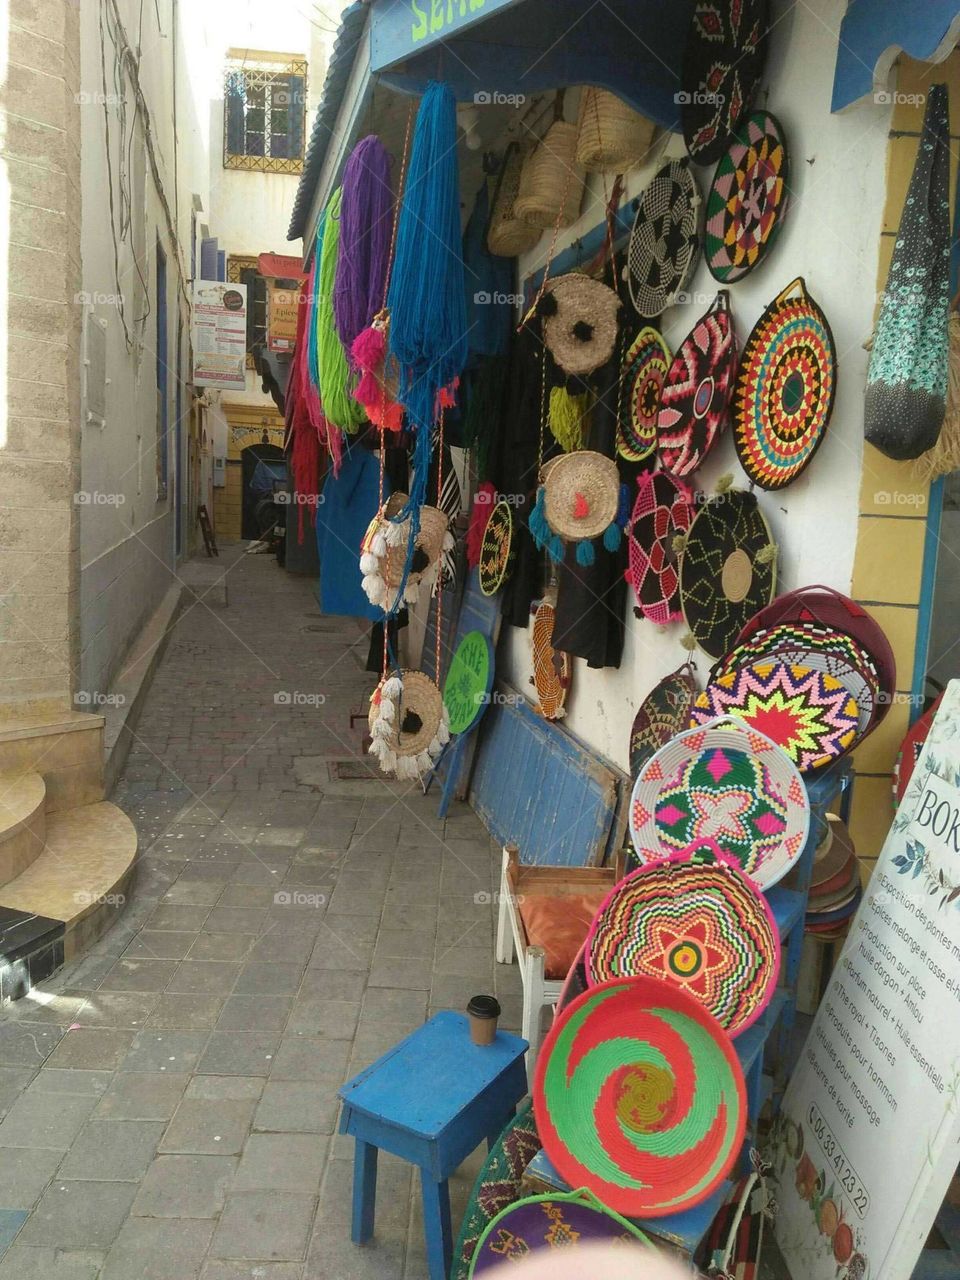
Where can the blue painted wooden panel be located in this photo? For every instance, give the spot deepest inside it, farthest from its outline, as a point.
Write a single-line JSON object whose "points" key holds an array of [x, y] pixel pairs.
{"points": [[524, 49], [873, 32], [536, 787]]}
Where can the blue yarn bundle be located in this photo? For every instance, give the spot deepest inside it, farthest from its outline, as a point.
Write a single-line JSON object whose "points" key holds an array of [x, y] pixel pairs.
{"points": [[312, 362], [426, 300]]}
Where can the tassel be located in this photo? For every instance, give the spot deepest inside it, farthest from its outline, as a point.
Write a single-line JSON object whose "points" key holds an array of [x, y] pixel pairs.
{"points": [[392, 689], [555, 548], [388, 709], [585, 554], [689, 641], [767, 554], [443, 733], [679, 543], [368, 563], [623, 507], [537, 523], [449, 542], [612, 536], [424, 761], [566, 418], [725, 483], [381, 728], [379, 546], [411, 593]]}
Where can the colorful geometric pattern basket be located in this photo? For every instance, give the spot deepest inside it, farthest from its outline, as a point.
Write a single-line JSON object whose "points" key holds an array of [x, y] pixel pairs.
{"points": [[665, 241], [496, 548], [722, 65], [664, 510], [748, 199], [699, 924], [551, 668], [808, 713], [696, 393], [639, 1096], [785, 389], [642, 376], [664, 712], [727, 783]]}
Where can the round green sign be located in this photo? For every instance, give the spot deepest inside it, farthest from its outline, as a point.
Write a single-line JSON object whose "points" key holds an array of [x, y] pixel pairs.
{"points": [[469, 680]]}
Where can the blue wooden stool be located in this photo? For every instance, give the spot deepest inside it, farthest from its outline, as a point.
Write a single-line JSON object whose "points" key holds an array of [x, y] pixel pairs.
{"points": [[431, 1100]]}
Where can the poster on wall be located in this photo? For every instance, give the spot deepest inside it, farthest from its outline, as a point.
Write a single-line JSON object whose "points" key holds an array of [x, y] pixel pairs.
{"points": [[282, 306], [220, 335], [868, 1138]]}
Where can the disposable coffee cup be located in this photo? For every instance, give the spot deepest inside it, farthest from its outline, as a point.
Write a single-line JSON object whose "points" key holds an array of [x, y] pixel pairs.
{"points": [[483, 1012]]}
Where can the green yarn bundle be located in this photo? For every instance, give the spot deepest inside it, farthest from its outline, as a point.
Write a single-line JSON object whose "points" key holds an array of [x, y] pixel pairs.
{"points": [[336, 378]]}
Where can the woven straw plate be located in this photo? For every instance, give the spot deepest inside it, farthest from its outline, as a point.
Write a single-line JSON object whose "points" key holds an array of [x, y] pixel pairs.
{"points": [[581, 319], [664, 712], [727, 783], [698, 924], [642, 376], [748, 199], [665, 241], [808, 713], [551, 668], [722, 64], [496, 548], [696, 392], [639, 1096], [581, 493], [663, 511]]}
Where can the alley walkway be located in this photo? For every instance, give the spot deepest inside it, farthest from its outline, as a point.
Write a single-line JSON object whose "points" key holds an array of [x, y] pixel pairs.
{"points": [[170, 1101]]}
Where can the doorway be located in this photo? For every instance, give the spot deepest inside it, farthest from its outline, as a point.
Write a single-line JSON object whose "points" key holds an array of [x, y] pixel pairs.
{"points": [[263, 465]]}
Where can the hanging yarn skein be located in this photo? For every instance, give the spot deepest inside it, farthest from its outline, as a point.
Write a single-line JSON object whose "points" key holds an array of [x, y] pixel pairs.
{"points": [[335, 377], [428, 319], [366, 221]]}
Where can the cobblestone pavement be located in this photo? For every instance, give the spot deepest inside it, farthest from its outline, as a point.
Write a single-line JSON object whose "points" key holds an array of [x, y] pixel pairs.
{"points": [[169, 1102]]}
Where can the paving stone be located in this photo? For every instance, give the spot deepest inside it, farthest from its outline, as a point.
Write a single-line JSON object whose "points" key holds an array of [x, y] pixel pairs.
{"points": [[273, 1225], [178, 918], [117, 1008], [192, 893], [281, 1162], [89, 1084], [280, 837], [405, 944], [79, 1215], [27, 1044], [36, 1262], [239, 1053], [139, 975], [257, 978], [302, 1057], [24, 1173], [218, 1269], [338, 951], [175, 1009], [40, 1006], [203, 1127], [255, 1013], [204, 977], [333, 1253], [223, 947], [387, 1005], [154, 1249], [113, 1149], [160, 944], [246, 895], [185, 1187], [50, 1120], [278, 947], [223, 919], [173, 1051], [225, 1088], [394, 1181], [334, 1019], [135, 1095], [397, 973], [296, 1106]]}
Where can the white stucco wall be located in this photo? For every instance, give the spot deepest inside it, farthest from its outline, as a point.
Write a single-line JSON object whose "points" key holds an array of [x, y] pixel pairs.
{"points": [[831, 237]]}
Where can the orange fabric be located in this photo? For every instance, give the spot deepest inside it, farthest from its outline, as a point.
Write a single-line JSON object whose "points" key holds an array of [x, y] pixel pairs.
{"points": [[560, 925]]}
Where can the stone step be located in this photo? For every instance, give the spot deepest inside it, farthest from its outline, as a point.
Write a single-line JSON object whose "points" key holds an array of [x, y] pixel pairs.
{"points": [[22, 822], [58, 907], [65, 749]]}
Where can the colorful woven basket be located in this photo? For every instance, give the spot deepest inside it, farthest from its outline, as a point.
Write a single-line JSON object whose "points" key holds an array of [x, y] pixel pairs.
{"points": [[747, 200], [722, 64], [664, 712], [663, 512], [548, 1222], [785, 389], [642, 376], [728, 569], [830, 608], [496, 548], [639, 1096], [910, 749], [726, 783], [697, 389], [665, 241], [699, 924], [551, 668], [808, 713]]}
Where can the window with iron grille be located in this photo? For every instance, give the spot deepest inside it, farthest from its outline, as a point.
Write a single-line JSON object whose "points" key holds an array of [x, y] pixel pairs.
{"points": [[264, 111], [242, 269]]}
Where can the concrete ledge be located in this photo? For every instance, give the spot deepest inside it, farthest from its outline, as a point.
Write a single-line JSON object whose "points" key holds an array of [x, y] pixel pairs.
{"points": [[205, 581], [128, 690]]}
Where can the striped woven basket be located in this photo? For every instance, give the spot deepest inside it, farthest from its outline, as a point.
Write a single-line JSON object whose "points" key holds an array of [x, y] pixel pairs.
{"points": [[611, 135], [551, 181]]}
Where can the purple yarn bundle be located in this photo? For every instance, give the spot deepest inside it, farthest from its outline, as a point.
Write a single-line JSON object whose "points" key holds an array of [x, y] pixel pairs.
{"points": [[366, 221]]}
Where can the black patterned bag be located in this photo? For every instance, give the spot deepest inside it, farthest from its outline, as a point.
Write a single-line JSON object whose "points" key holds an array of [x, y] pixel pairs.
{"points": [[907, 380]]}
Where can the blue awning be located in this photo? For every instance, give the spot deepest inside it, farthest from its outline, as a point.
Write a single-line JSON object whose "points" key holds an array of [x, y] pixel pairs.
{"points": [[488, 47], [875, 32]]}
